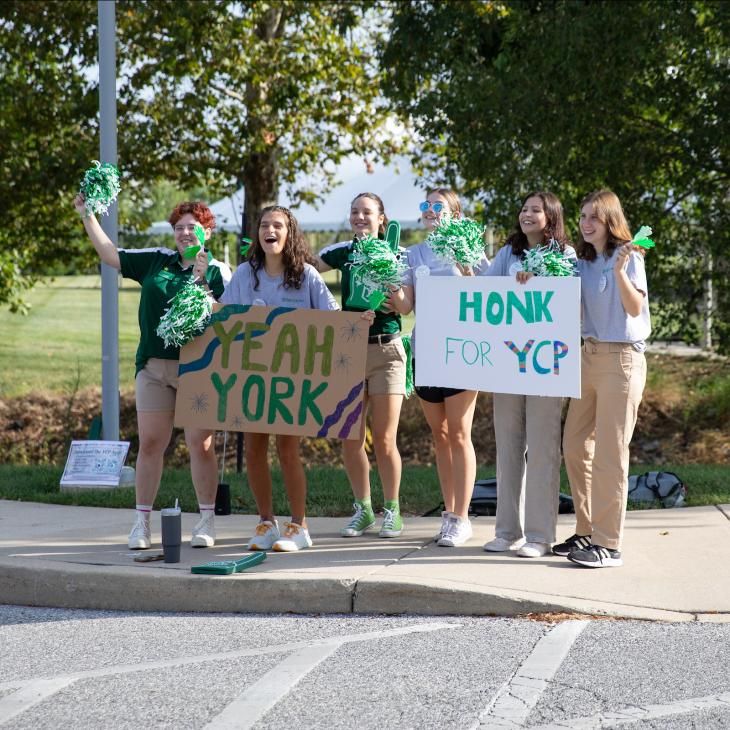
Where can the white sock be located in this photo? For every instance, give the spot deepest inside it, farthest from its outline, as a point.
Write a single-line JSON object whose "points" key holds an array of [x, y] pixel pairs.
{"points": [[206, 508], [144, 511]]}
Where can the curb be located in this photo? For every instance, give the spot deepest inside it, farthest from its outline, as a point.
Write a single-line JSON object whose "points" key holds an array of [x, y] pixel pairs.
{"points": [[154, 590]]}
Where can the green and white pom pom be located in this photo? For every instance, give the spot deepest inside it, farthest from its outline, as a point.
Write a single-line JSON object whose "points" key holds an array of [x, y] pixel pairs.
{"points": [[642, 238], [458, 241], [380, 267], [547, 261], [100, 187], [188, 315]]}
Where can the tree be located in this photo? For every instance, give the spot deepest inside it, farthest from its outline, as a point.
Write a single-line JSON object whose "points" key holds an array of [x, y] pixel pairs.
{"points": [[250, 93], [46, 130], [210, 95], [573, 96]]}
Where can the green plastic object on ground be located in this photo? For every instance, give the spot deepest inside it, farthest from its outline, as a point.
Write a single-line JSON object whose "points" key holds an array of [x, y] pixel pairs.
{"points": [[226, 567]]}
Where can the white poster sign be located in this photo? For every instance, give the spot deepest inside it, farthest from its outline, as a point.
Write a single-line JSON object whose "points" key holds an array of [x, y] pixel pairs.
{"points": [[491, 333], [97, 463]]}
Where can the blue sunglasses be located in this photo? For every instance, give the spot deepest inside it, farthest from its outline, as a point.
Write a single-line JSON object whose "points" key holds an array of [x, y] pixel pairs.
{"points": [[435, 207]]}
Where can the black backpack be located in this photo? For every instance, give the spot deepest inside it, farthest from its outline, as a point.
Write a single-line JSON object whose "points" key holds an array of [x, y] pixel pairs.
{"points": [[484, 499], [664, 487]]}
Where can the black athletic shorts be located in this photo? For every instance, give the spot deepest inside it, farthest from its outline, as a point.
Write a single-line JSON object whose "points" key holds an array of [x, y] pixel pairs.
{"points": [[433, 394]]}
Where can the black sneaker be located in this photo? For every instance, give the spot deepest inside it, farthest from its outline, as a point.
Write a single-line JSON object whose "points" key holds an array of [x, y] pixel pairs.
{"points": [[596, 556], [575, 542]]}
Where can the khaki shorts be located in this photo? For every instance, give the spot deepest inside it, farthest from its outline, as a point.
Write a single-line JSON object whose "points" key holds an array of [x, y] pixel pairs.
{"points": [[156, 385], [385, 369]]}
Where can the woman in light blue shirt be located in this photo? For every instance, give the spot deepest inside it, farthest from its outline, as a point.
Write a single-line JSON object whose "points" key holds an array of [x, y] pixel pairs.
{"points": [[599, 426], [527, 427]]}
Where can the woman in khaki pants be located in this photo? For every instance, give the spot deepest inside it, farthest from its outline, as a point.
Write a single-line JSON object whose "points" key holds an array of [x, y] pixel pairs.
{"points": [[600, 424]]}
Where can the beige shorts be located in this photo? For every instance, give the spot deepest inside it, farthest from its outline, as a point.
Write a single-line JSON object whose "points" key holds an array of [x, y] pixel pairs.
{"points": [[156, 385], [385, 369]]}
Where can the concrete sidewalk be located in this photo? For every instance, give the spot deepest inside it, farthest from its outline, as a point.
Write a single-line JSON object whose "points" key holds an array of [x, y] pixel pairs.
{"points": [[677, 568]]}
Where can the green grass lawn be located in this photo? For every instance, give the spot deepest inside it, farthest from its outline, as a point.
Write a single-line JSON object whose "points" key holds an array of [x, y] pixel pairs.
{"points": [[329, 494], [61, 337]]}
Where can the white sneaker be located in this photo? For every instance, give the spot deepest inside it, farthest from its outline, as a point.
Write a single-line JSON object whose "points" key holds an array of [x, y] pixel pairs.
{"points": [[267, 533], [204, 531], [502, 545], [140, 538], [295, 538], [458, 531], [534, 550], [444, 523]]}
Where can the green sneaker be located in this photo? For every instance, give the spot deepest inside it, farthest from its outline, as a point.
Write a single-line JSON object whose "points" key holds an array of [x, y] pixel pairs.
{"points": [[362, 520], [392, 521]]}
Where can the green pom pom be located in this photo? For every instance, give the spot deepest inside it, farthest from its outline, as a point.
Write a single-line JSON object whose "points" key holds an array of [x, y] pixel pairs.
{"points": [[458, 241], [379, 265], [642, 238], [100, 187], [547, 261], [188, 315]]}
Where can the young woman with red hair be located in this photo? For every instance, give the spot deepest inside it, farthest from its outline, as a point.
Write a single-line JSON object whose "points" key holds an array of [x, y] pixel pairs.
{"points": [[162, 273]]}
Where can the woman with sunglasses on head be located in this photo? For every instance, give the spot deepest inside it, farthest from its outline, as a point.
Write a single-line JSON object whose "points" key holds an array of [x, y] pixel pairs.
{"points": [[385, 383], [527, 427], [600, 424], [448, 411], [162, 273]]}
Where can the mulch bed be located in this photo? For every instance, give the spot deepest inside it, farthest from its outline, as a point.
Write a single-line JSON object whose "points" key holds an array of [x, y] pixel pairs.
{"points": [[37, 429]]}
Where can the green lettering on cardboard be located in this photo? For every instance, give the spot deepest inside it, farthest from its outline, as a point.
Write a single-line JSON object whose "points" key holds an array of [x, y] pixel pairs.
{"points": [[249, 344], [257, 382], [277, 398], [524, 308], [475, 305], [226, 338], [324, 348], [222, 390], [287, 343], [495, 298], [307, 402], [541, 307]]}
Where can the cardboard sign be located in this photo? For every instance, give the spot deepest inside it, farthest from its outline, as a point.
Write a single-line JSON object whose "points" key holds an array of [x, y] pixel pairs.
{"points": [[491, 333], [94, 463], [275, 370]]}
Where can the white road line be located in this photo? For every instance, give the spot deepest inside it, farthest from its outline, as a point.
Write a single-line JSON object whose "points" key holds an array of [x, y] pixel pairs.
{"points": [[516, 699], [28, 695], [20, 700], [247, 709], [639, 714]]}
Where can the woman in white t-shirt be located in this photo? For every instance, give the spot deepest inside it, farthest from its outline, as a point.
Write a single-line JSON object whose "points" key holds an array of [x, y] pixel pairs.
{"points": [[277, 273], [598, 430]]}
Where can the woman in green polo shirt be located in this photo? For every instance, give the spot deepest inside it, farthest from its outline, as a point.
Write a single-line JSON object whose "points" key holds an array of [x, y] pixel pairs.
{"points": [[162, 273], [385, 383]]}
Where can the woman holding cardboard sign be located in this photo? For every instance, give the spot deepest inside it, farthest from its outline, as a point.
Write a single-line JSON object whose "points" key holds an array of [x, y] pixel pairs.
{"points": [[277, 273], [448, 411], [527, 427], [385, 375], [162, 274]]}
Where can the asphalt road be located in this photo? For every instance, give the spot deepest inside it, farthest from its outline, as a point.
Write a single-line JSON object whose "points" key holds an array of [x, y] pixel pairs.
{"points": [[99, 669]]}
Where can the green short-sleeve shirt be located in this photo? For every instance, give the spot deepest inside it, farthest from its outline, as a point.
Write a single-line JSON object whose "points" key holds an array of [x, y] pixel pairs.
{"points": [[336, 257], [161, 275]]}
